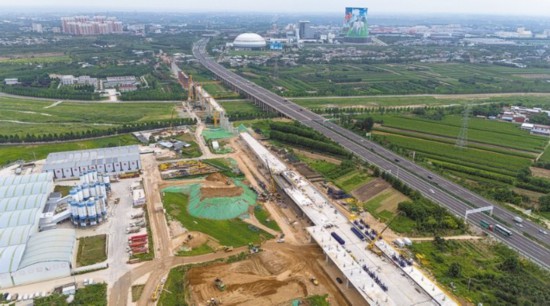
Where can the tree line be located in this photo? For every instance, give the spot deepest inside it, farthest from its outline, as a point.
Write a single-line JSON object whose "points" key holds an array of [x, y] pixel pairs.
{"points": [[72, 135], [305, 137]]}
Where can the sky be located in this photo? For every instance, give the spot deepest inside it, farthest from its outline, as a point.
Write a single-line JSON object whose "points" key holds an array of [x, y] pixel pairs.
{"points": [[490, 7]]}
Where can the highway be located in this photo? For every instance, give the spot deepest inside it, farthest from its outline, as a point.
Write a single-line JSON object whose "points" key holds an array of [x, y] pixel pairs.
{"points": [[432, 186]]}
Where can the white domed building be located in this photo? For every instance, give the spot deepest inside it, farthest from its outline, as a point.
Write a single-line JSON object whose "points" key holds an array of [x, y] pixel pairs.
{"points": [[249, 41]]}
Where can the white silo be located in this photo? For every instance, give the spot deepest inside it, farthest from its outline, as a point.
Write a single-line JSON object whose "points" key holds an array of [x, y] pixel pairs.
{"points": [[74, 194], [83, 178], [106, 180], [98, 210], [103, 203], [85, 191], [90, 207], [90, 177], [82, 214], [74, 211], [92, 189], [103, 189], [79, 193], [97, 189]]}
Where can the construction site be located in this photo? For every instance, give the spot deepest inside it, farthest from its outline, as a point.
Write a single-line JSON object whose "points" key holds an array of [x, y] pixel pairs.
{"points": [[316, 247], [262, 231]]}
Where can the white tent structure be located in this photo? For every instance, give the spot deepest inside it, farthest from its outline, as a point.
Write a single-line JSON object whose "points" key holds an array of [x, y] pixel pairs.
{"points": [[27, 255]]}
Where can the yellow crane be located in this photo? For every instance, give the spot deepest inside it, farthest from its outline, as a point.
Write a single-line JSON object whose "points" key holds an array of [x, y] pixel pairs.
{"points": [[216, 118], [372, 243], [172, 119]]}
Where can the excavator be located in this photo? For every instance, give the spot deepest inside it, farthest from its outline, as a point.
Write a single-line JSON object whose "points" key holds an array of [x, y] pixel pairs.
{"points": [[379, 236]]}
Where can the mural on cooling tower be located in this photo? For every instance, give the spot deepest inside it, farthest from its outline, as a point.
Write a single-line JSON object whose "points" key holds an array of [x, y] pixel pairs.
{"points": [[355, 22]]}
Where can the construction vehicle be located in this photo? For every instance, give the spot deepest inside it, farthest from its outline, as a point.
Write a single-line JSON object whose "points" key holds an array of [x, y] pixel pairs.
{"points": [[156, 293], [228, 248], [253, 248], [379, 236], [219, 284], [314, 281]]}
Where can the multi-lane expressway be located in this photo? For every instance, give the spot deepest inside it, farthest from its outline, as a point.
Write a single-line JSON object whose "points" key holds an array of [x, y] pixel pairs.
{"points": [[452, 196]]}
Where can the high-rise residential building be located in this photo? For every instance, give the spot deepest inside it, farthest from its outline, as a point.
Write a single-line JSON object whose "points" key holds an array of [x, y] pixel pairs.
{"points": [[96, 25], [37, 27], [305, 31]]}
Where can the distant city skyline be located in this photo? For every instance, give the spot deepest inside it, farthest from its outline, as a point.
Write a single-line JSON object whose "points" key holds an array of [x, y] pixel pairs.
{"points": [[488, 7]]}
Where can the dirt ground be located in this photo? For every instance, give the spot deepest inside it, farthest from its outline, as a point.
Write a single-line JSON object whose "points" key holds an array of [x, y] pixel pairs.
{"points": [[539, 172], [275, 276], [370, 189], [306, 171], [217, 185], [317, 156]]}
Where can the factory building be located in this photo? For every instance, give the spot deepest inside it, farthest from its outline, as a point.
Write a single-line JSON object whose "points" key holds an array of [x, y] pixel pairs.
{"points": [[27, 255], [71, 164]]}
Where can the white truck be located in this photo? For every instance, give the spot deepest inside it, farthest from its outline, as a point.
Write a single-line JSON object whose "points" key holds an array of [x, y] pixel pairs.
{"points": [[518, 219]]}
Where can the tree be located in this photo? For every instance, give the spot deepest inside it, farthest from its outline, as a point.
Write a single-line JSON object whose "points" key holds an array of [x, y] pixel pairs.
{"points": [[511, 263], [440, 243], [455, 269], [544, 203], [365, 124]]}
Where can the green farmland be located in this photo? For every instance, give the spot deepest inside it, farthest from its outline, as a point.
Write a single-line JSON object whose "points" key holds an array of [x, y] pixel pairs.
{"points": [[479, 130], [387, 79], [494, 163], [22, 116], [239, 106], [11, 153]]}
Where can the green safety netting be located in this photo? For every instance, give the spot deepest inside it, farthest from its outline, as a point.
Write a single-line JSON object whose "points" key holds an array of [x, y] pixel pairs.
{"points": [[213, 134], [242, 128], [222, 208]]}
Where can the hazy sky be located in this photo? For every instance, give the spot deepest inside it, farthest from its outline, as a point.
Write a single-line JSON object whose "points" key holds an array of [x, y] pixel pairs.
{"points": [[499, 7]]}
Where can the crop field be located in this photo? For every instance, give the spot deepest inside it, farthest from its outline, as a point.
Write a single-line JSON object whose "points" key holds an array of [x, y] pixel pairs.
{"points": [[423, 100], [352, 180], [228, 232], [39, 59], [383, 79], [220, 91], [239, 106], [476, 158], [480, 130], [545, 157], [11, 153], [21, 116]]}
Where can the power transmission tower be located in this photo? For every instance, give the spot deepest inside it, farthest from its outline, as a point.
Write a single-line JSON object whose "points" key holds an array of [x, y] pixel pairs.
{"points": [[462, 139]]}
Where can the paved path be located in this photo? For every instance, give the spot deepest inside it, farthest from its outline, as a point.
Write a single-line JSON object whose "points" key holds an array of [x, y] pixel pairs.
{"points": [[461, 237]]}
